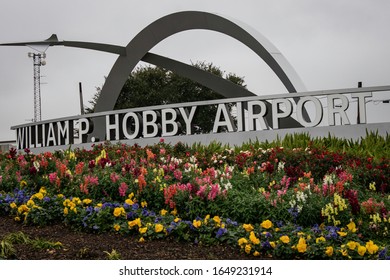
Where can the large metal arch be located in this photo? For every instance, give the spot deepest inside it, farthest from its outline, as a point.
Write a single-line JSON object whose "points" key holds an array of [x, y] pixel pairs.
{"points": [[174, 23]]}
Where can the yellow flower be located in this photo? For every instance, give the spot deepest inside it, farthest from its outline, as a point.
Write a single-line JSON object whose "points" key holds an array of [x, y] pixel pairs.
{"points": [[23, 183], [30, 203], [248, 227], [329, 251], [242, 241], [174, 212], [253, 238], [163, 212], [256, 254], [39, 195], [342, 233], [266, 224], [176, 220], [13, 205], [352, 245], [144, 204], [136, 222], [129, 201], [272, 244], [43, 191], [301, 246], [158, 228], [196, 223], [118, 211], [361, 250], [87, 201], [248, 248], [66, 211], [320, 239], [371, 247], [352, 226], [141, 240], [17, 219], [217, 220], [344, 252], [285, 239], [143, 230], [117, 227]]}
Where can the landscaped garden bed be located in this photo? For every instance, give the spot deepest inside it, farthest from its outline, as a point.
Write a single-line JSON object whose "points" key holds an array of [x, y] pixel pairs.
{"points": [[296, 198]]}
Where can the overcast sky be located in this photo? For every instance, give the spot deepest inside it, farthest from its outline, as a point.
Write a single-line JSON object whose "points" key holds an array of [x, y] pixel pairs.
{"points": [[331, 45]]}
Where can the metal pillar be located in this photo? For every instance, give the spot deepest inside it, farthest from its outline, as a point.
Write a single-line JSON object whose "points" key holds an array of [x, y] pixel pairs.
{"points": [[37, 62]]}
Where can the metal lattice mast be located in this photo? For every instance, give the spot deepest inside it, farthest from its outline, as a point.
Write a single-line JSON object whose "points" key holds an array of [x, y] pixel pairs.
{"points": [[37, 62]]}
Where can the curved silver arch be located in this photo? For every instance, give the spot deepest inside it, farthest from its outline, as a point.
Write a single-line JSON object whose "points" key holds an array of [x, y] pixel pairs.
{"points": [[188, 20]]}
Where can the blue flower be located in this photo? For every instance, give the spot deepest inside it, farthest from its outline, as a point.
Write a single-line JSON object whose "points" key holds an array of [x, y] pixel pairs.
{"points": [[135, 206], [382, 254], [220, 232]]}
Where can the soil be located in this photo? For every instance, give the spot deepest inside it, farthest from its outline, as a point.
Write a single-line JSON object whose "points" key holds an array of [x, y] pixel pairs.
{"points": [[87, 246]]}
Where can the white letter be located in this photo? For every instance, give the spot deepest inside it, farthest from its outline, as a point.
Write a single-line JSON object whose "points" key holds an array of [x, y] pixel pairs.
{"points": [[222, 108], [256, 117], [362, 118], [84, 129], [188, 118], [125, 125], [332, 110], [318, 108], [63, 132], [114, 126], [151, 123], [165, 122], [275, 111], [51, 136]]}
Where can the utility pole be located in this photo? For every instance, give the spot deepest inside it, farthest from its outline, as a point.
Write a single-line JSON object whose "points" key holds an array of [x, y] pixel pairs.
{"points": [[38, 61]]}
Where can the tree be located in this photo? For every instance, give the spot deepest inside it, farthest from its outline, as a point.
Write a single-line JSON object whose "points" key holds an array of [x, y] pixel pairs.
{"points": [[148, 86]]}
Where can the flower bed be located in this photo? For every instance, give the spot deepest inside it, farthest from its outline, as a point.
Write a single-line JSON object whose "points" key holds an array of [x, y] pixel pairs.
{"points": [[309, 202]]}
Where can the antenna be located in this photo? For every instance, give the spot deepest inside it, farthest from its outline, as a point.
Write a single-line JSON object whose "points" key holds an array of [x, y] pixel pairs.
{"points": [[38, 61]]}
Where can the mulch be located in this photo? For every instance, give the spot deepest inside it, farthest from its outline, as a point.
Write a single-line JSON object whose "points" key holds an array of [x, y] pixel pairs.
{"points": [[89, 246]]}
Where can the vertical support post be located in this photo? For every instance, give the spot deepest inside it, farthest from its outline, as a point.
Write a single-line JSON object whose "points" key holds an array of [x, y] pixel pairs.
{"points": [[81, 99]]}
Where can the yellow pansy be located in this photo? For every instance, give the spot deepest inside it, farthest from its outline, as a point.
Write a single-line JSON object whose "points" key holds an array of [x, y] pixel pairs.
{"points": [[329, 251], [13, 205], [30, 203], [342, 233], [143, 230], [361, 250], [217, 220], [352, 245], [248, 248], [87, 201], [352, 226], [158, 228], [248, 227], [256, 254], [285, 239], [141, 240], [196, 223], [135, 222], [117, 227], [272, 244], [320, 239], [253, 238], [301, 246], [144, 204], [163, 212], [66, 211], [266, 224], [242, 241], [371, 247], [118, 211]]}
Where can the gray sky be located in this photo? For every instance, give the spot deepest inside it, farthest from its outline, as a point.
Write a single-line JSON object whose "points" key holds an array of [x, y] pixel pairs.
{"points": [[331, 45]]}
